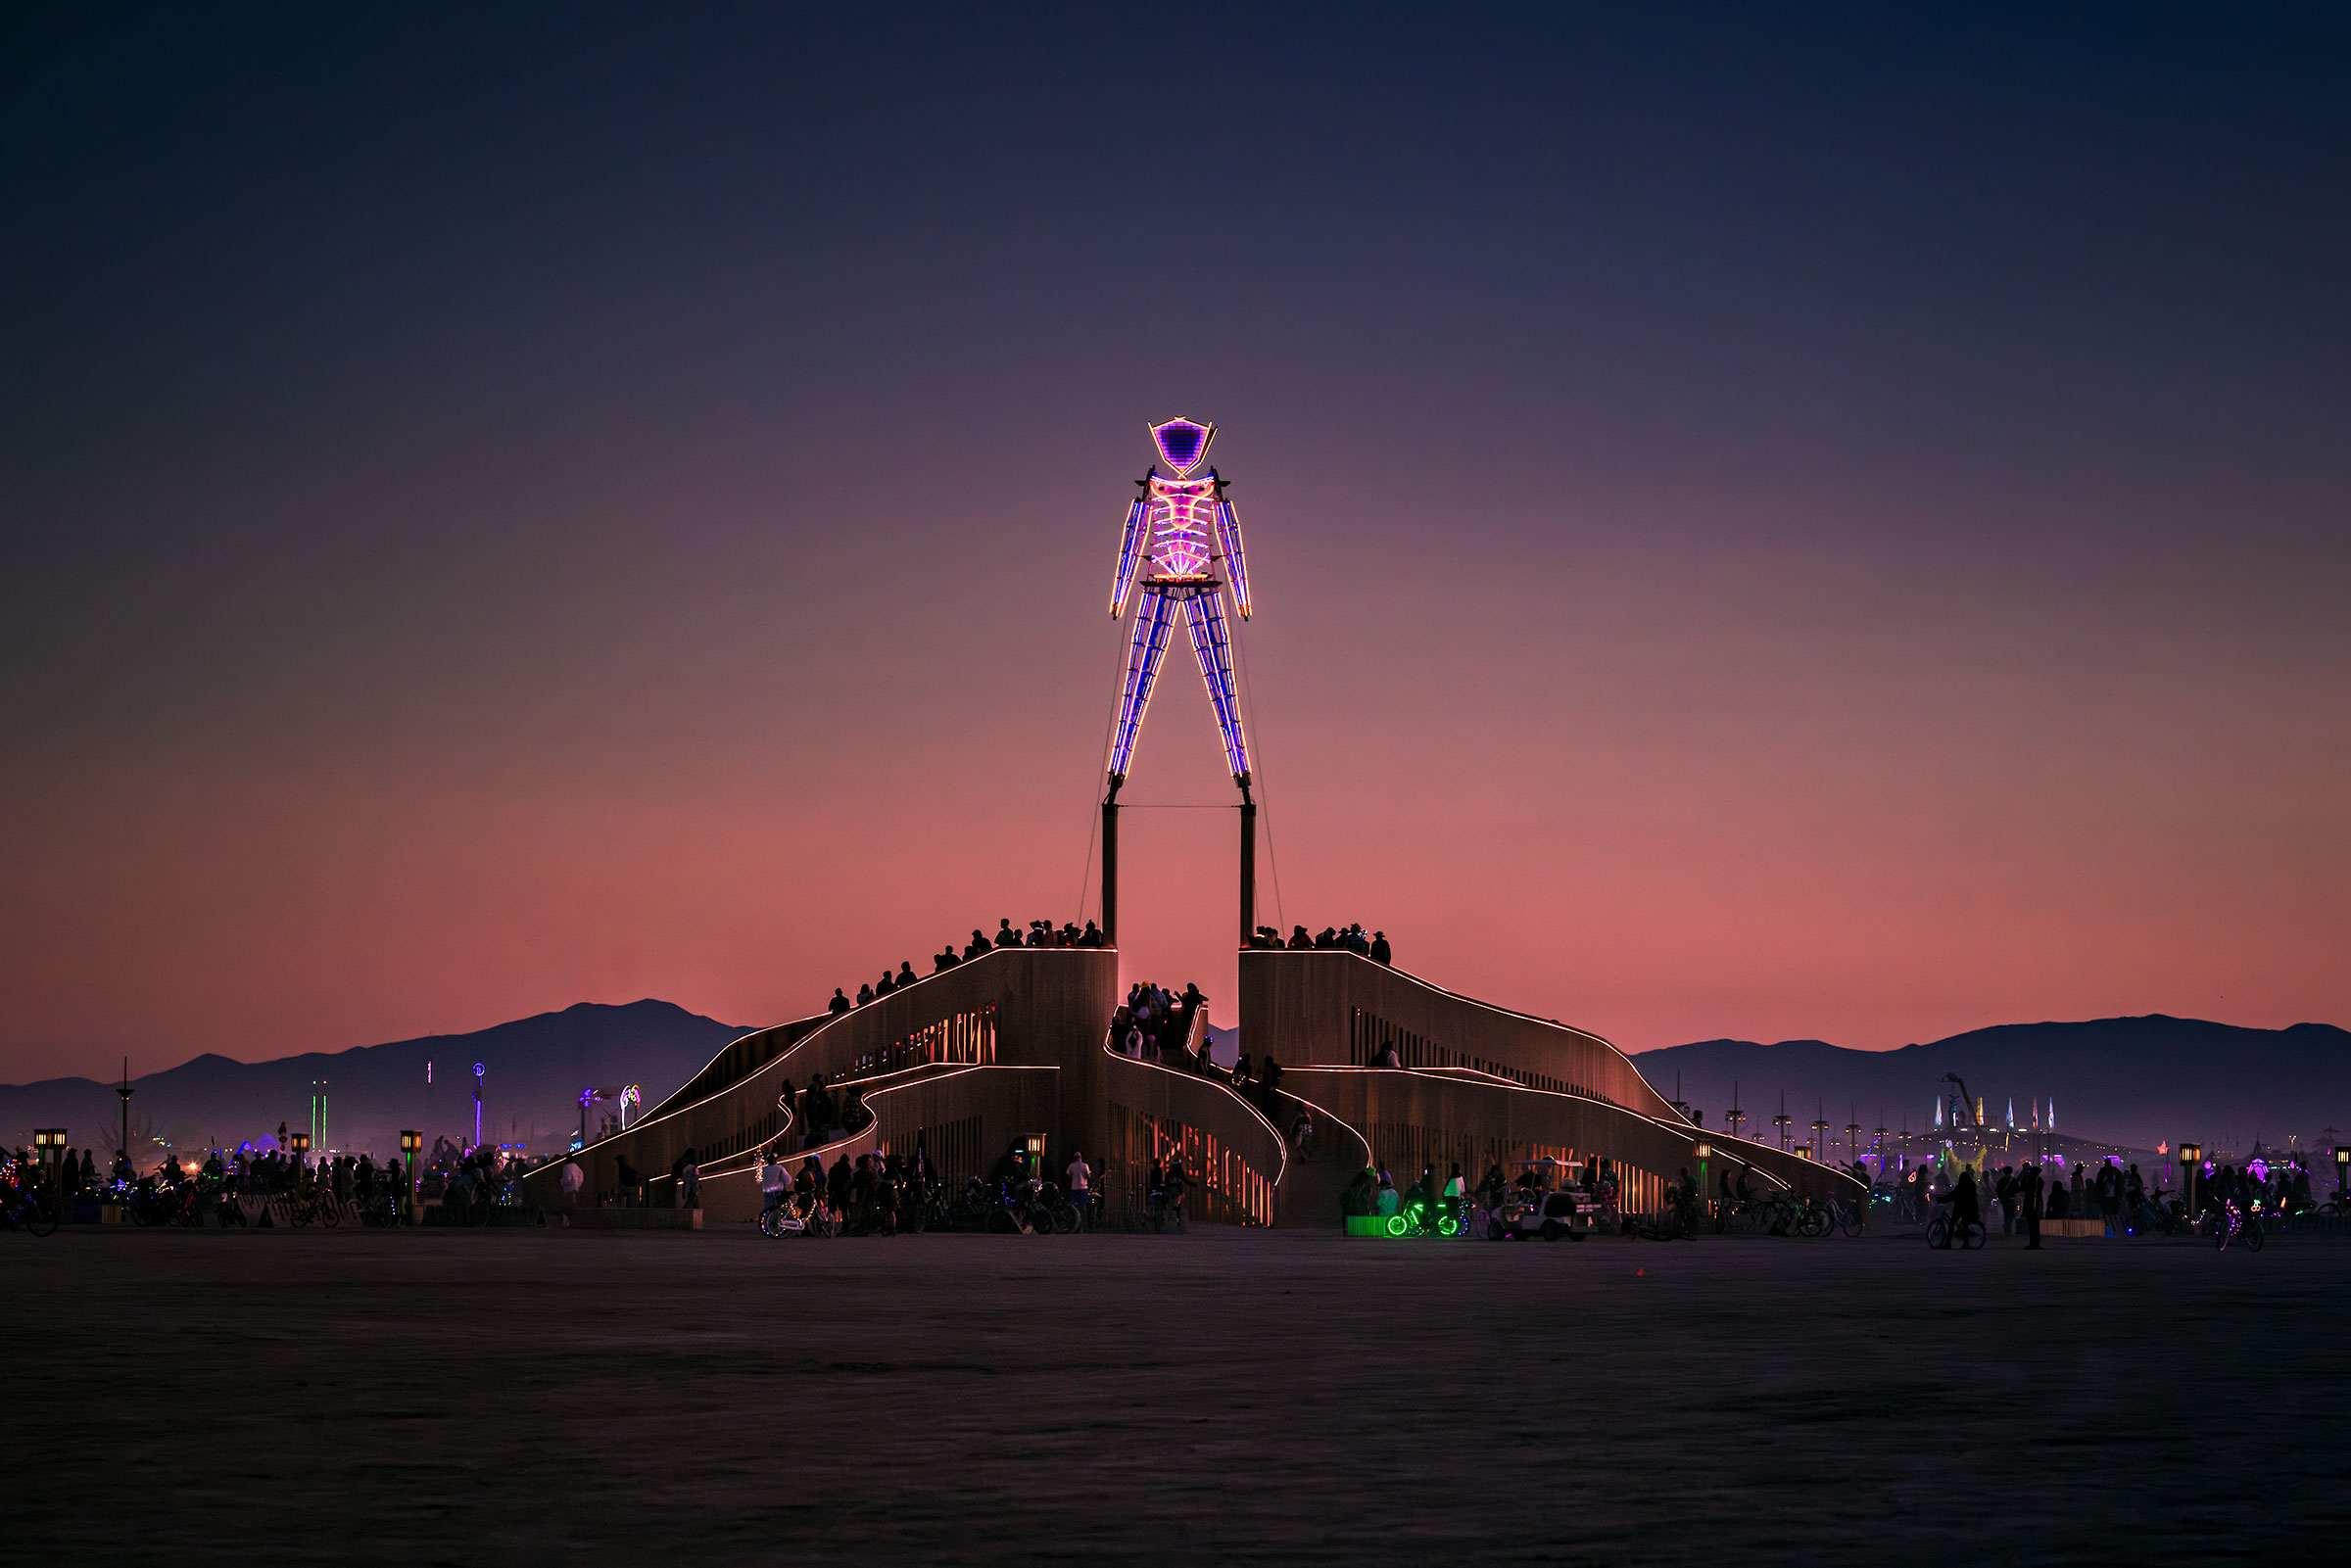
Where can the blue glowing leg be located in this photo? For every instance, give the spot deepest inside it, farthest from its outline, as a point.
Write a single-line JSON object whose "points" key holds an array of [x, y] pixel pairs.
{"points": [[1154, 618], [1206, 612]]}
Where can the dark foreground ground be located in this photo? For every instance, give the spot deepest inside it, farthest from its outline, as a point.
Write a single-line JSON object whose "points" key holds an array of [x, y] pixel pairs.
{"points": [[521, 1396]]}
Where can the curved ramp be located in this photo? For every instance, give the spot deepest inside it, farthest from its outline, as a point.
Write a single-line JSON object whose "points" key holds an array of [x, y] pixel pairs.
{"points": [[1235, 1156], [1475, 1082], [1015, 1007]]}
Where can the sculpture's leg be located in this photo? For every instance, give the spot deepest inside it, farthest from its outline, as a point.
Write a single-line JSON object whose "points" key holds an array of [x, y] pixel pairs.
{"points": [[1206, 611], [1154, 618]]}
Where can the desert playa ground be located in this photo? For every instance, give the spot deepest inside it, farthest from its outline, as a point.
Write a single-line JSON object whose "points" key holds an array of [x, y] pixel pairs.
{"points": [[432, 1397]]}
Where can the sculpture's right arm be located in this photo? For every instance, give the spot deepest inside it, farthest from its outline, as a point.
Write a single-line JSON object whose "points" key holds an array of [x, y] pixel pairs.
{"points": [[1131, 555]]}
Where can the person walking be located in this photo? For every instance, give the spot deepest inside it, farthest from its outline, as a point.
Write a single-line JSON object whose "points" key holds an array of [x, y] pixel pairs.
{"points": [[2029, 1193], [1081, 1188], [2110, 1197], [568, 1181]]}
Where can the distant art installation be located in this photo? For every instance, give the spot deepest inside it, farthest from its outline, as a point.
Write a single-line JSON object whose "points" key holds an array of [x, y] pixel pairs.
{"points": [[1166, 550]]}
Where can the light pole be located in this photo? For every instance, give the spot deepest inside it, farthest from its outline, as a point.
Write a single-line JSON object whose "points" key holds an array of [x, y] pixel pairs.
{"points": [[51, 1142], [477, 1104], [2342, 1167], [2192, 1155], [126, 1091], [1705, 1194]]}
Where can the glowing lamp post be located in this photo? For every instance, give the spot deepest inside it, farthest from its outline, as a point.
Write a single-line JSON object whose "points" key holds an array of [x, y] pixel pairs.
{"points": [[410, 1142], [2192, 1155], [51, 1142], [477, 1104], [2342, 1166], [301, 1144], [1705, 1194]]}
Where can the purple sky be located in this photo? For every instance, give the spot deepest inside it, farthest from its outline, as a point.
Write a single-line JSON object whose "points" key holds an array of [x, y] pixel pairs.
{"points": [[1825, 523]]}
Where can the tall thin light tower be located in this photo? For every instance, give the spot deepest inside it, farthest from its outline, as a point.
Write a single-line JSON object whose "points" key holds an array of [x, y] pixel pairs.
{"points": [[127, 1092]]}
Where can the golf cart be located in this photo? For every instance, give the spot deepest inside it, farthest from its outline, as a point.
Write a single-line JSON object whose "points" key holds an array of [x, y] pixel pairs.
{"points": [[1570, 1211]]}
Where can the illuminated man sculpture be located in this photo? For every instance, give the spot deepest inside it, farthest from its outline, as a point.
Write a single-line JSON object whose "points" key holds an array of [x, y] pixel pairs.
{"points": [[1166, 550]]}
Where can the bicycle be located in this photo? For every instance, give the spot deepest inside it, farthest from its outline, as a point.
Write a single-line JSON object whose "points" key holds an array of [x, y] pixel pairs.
{"points": [[21, 1211], [2230, 1224], [1943, 1229]]}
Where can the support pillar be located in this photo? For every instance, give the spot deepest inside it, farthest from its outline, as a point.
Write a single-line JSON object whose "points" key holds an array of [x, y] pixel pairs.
{"points": [[1248, 871], [1110, 868]]}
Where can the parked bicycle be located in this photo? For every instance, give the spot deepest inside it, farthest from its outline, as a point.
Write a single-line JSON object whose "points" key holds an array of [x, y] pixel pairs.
{"points": [[2227, 1223], [21, 1211]]}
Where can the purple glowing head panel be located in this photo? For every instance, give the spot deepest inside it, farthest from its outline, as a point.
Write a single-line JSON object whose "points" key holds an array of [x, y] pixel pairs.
{"points": [[1183, 444]]}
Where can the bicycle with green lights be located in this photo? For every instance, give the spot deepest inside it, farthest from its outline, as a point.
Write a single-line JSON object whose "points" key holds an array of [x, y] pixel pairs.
{"points": [[1448, 1218]]}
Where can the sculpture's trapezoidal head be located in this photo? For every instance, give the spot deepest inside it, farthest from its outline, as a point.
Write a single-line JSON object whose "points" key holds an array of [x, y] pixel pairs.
{"points": [[1183, 444]]}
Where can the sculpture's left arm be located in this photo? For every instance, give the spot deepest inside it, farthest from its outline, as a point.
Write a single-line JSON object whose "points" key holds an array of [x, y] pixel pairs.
{"points": [[1229, 546], [1131, 555]]}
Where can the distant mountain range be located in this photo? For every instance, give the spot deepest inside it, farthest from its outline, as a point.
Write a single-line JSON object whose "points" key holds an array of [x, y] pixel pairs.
{"points": [[534, 1070], [2134, 1081]]}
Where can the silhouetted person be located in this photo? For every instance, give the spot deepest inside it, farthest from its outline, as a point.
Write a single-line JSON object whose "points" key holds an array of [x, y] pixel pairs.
{"points": [[1091, 937], [1006, 937], [1381, 952], [907, 974], [839, 1003], [1299, 939], [865, 994], [1966, 1210], [2028, 1194]]}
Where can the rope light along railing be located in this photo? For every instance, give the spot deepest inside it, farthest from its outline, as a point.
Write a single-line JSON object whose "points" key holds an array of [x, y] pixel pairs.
{"points": [[1369, 1034]]}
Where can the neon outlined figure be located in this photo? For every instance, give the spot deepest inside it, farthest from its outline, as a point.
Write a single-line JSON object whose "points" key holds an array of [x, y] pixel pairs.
{"points": [[1167, 550]]}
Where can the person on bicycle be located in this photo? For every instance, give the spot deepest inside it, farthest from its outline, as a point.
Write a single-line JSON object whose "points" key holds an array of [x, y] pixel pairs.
{"points": [[1966, 1211], [775, 1181]]}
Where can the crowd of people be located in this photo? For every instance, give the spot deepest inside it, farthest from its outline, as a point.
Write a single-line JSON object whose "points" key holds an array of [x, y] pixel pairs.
{"points": [[1040, 933], [2114, 1192], [72, 1187], [1154, 1024], [1350, 939]]}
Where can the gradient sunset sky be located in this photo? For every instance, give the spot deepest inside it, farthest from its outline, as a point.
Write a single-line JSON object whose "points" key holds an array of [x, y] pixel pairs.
{"points": [[1770, 522]]}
